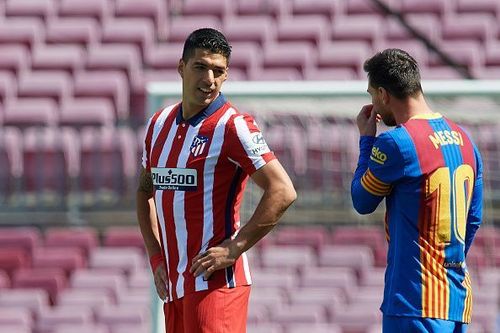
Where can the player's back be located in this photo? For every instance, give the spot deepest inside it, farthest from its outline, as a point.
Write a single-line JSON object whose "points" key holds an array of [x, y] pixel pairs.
{"points": [[427, 212]]}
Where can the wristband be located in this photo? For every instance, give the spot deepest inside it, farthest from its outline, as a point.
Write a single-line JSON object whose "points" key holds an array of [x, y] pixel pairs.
{"points": [[156, 260]]}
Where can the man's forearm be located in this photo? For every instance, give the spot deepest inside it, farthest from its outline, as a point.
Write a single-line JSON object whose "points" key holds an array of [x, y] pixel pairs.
{"points": [[271, 207], [148, 224]]}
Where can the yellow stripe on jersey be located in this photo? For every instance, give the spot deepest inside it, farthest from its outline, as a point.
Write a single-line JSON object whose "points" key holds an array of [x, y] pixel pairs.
{"points": [[468, 299], [373, 185], [435, 285]]}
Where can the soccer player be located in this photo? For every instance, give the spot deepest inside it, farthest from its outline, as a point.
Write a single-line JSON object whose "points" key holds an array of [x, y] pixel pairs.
{"points": [[197, 158], [430, 173]]}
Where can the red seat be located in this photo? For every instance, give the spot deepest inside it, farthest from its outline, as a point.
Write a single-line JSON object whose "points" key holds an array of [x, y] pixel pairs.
{"points": [[16, 317], [182, 26], [87, 111], [311, 236], [164, 56], [65, 258], [316, 328], [69, 58], [123, 236], [271, 8], [23, 238], [50, 279], [110, 84], [346, 54], [27, 31], [12, 259], [94, 299], [366, 28], [33, 300], [139, 32], [82, 328], [98, 9], [221, 8], [4, 280], [52, 317], [321, 7], [123, 315], [8, 86], [357, 319], [475, 27], [10, 162], [298, 55], [439, 7], [300, 313], [254, 29], [50, 160], [54, 84], [293, 256], [110, 283], [78, 31], [304, 28], [84, 238], [44, 9], [15, 58], [27, 112], [108, 163], [156, 10], [125, 260]]}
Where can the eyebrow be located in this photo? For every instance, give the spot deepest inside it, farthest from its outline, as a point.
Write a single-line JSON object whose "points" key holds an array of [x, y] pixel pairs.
{"points": [[199, 62]]}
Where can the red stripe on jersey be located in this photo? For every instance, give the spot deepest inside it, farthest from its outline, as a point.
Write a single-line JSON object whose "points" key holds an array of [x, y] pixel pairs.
{"points": [[432, 253], [148, 138], [194, 202], [162, 136]]}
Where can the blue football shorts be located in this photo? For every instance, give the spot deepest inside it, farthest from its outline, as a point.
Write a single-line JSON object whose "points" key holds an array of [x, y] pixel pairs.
{"points": [[402, 324]]}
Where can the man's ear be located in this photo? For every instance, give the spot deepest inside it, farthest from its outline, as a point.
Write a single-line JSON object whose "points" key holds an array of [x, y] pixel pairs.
{"points": [[180, 68], [384, 94]]}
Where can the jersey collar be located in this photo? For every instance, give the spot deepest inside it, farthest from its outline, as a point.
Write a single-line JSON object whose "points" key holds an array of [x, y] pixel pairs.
{"points": [[205, 113], [434, 115]]}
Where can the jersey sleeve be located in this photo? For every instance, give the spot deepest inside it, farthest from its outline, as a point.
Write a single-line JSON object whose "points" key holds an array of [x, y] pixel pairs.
{"points": [[146, 147], [380, 164], [246, 146], [474, 217]]}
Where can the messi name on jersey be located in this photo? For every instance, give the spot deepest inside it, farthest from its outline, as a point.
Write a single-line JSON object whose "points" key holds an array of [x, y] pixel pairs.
{"points": [[174, 179], [444, 138]]}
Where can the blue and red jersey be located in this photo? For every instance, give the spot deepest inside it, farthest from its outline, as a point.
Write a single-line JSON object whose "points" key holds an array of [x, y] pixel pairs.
{"points": [[430, 173]]}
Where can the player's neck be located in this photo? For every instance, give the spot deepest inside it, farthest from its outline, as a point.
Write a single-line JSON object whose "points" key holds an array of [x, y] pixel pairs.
{"points": [[411, 107], [189, 111]]}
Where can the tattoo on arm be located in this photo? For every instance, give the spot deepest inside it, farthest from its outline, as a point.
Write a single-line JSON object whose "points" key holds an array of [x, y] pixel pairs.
{"points": [[145, 182]]}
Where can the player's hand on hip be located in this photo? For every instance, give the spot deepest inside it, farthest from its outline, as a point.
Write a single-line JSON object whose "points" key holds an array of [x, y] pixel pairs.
{"points": [[215, 258], [160, 278], [367, 120]]}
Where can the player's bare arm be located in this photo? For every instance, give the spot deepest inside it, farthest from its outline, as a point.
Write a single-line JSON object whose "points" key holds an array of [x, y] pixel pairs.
{"points": [[146, 215], [278, 195]]}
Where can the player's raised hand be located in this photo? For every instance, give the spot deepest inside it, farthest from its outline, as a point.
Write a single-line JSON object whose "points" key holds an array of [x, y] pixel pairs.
{"points": [[367, 120], [215, 258], [160, 278]]}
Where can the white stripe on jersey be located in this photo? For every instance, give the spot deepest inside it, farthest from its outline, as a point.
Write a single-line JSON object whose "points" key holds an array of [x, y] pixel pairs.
{"points": [[145, 154], [208, 182], [179, 211], [245, 137], [162, 161]]}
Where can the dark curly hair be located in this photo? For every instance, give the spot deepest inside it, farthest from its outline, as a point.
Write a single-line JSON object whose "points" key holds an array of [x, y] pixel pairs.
{"points": [[396, 71], [207, 39]]}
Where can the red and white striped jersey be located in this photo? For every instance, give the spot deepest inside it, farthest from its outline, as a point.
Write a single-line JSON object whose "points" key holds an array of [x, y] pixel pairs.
{"points": [[199, 169]]}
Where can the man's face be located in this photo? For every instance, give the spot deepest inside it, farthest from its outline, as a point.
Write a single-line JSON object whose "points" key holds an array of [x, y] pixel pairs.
{"points": [[202, 77], [379, 106]]}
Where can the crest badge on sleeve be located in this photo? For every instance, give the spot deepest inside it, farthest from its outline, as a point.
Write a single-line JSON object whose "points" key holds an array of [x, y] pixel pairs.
{"points": [[198, 146]]}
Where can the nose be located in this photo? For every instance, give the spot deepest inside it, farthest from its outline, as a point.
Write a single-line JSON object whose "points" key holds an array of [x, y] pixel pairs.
{"points": [[210, 77]]}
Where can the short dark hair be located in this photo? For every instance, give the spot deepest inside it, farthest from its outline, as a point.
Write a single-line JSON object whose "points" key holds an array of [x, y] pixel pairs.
{"points": [[207, 39], [396, 71]]}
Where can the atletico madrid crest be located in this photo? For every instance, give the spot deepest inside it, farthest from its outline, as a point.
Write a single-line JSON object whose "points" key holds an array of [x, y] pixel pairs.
{"points": [[198, 145]]}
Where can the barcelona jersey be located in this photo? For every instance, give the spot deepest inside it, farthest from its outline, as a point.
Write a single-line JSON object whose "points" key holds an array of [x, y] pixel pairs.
{"points": [[430, 173]]}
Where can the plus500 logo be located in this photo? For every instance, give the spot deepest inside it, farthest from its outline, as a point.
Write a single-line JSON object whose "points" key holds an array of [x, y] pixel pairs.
{"points": [[177, 179]]}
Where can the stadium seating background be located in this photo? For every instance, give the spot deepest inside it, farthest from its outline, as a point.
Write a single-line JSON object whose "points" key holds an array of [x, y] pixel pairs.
{"points": [[72, 109]]}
